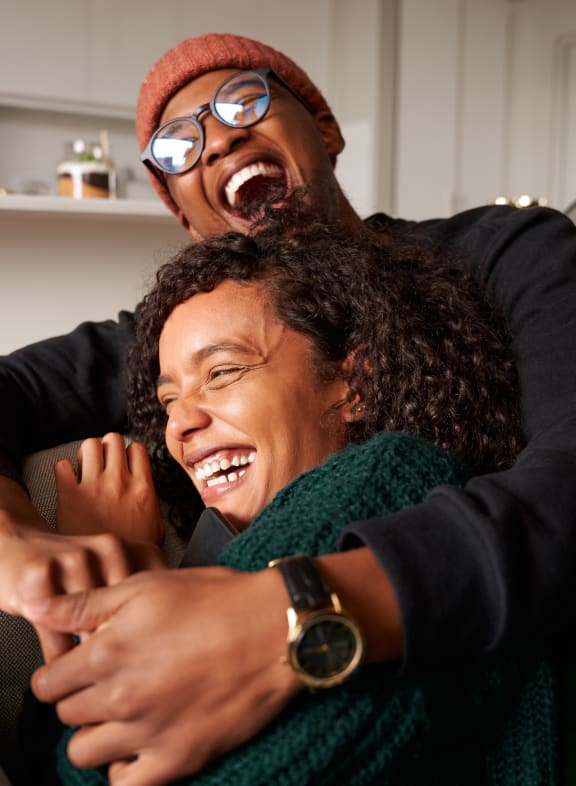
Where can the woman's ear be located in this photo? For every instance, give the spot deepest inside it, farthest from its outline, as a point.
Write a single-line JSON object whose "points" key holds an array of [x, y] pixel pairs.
{"points": [[353, 410], [353, 407], [331, 134]]}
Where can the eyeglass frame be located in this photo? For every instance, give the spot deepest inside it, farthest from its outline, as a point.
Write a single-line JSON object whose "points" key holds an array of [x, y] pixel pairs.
{"points": [[147, 157]]}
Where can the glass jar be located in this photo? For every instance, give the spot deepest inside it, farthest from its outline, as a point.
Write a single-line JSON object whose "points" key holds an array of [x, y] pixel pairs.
{"points": [[86, 172]]}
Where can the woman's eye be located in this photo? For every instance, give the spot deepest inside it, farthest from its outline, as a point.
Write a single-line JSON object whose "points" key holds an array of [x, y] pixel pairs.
{"points": [[166, 403], [221, 376]]}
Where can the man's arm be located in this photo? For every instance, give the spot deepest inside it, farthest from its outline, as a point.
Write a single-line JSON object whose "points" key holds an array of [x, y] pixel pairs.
{"points": [[472, 567], [62, 389]]}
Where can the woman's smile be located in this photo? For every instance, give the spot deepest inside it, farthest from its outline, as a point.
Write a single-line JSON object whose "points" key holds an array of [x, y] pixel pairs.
{"points": [[222, 472], [246, 410]]}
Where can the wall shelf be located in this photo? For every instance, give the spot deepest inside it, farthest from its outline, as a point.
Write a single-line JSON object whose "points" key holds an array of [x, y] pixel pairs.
{"points": [[66, 207]]}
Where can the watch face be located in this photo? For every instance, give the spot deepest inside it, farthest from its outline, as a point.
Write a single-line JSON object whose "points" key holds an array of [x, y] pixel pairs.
{"points": [[328, 648]]}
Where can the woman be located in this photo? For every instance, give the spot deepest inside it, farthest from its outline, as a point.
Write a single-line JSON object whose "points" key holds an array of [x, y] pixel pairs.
{"points": [[260, 376], [400, 330]]}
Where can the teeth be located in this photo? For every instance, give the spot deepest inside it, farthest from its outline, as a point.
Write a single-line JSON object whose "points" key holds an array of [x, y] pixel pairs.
{"points": [[210, 468], [229, 478], [216, 481], [247, 173]]}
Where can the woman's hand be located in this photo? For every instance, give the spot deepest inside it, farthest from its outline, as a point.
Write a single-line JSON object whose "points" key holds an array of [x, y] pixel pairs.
{"points": [[36, 565], [113, 492]]}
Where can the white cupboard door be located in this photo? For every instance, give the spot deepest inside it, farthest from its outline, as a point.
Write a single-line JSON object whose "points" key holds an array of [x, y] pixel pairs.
{"points": [[487, 104], [42, 50]]}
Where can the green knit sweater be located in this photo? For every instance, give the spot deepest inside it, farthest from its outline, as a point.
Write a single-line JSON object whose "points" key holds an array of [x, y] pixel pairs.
{"points": [[493, 724]]}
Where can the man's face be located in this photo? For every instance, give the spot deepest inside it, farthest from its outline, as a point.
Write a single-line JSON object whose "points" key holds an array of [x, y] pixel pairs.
{"points": [[243, 167], [246, 413]]}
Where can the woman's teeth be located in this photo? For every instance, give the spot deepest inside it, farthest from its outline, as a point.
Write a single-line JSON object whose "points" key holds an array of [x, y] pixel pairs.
{"points": [[211, 471]]}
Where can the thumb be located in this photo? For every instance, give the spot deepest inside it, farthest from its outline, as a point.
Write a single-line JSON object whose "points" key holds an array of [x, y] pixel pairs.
{"points": [[78, 612]]}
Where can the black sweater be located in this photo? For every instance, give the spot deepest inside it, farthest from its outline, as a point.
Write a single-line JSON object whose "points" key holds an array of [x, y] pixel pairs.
{"points": [[470, 566]]}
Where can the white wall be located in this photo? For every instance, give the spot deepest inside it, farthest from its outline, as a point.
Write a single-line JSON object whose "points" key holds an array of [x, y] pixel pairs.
{"points": [[58, 271]]}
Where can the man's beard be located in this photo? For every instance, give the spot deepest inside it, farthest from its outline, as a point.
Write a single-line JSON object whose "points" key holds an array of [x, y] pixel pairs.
{"points": [[312, 201]]}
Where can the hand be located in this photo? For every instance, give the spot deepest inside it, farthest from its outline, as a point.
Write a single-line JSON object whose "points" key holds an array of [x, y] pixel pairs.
{"points": [[182, 666], [37, 564], [113, 493]]}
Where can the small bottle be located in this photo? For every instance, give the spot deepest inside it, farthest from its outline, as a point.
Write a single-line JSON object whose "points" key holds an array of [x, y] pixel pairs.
{"points": [[87, 171]]}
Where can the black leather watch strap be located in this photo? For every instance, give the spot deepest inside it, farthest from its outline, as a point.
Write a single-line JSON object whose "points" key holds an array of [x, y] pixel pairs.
{"points": [[304, 582]]}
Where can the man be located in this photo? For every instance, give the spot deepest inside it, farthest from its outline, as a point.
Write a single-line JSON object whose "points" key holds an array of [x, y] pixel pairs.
{"points": [[187, 664]]}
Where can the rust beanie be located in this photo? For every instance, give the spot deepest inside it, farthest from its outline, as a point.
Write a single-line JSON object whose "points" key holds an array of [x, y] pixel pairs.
{"points": [[196, 56]]}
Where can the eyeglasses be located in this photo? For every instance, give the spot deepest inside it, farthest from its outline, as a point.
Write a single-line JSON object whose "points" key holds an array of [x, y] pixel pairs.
{"points": [[241, 101]]}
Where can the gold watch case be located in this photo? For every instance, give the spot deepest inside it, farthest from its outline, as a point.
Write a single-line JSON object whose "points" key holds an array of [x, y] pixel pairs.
{"points": [[325, 646]]}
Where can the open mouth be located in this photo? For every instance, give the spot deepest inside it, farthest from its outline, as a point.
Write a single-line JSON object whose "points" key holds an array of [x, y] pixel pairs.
{"points": [[254, 187], [217, 471]]}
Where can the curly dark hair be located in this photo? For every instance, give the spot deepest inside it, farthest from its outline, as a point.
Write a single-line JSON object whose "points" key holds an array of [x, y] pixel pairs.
{"points": [[432, 355]]}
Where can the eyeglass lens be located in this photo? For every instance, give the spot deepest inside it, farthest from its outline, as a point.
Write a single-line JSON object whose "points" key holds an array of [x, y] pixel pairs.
{"points": [[240, 101]]}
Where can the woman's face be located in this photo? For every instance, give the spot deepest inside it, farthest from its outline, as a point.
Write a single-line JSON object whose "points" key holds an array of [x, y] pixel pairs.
{"points": [[246, 413]]}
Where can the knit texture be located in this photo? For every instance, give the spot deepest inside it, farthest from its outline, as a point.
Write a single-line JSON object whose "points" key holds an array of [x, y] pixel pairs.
{"points": [[196, 56], [491, 725]]}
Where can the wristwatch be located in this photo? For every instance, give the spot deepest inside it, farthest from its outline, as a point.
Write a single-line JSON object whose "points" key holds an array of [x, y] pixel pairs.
{"points": [[325, 644]]}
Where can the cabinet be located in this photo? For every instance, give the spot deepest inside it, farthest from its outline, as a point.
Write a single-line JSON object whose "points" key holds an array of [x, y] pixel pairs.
{"points": [[487, 104], [81, 55]]}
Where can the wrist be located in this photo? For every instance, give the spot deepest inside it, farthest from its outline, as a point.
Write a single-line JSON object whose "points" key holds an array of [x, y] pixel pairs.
{"points": [[16, 508], [367, 594], [324, 645], [273, 590]]}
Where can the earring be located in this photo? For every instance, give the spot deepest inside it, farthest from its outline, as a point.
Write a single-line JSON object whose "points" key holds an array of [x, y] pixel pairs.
{"points": [[359, 408]]}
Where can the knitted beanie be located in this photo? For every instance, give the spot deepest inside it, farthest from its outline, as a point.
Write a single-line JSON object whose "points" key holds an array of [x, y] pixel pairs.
{"points": [[196, 56], [492, 724]]}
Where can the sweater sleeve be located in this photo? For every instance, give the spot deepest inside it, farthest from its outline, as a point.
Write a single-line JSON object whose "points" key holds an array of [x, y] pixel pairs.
{"points": [[472, 567], [65, 388]]}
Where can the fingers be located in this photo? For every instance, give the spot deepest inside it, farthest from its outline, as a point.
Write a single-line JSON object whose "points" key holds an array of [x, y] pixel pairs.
{"points": [[114, 452], [90, 459], [97, 745], [65, 475], [97, 454], [112, 559], [138, 460], [75, 613], [38, 583], [53, 644], [78, 613], [147, 769], [117, 742]]}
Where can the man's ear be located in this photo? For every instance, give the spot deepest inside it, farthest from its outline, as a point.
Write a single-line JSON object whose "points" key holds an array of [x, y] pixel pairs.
{"points": [[330, 132]]}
